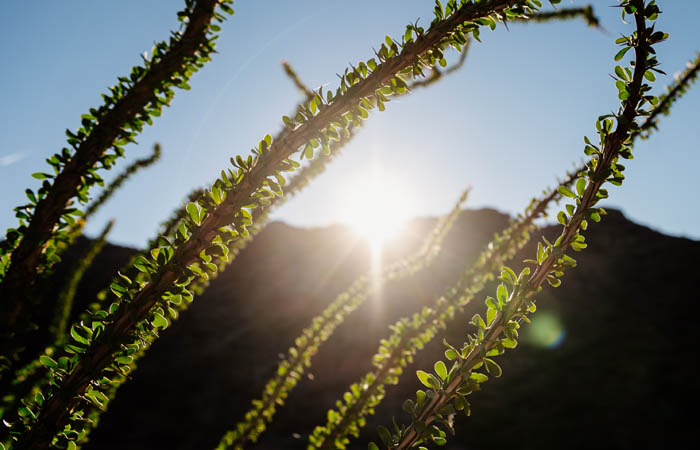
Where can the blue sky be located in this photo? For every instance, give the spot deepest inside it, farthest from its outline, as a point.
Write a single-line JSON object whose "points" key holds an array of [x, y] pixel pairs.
{"points": [[510, 122]]}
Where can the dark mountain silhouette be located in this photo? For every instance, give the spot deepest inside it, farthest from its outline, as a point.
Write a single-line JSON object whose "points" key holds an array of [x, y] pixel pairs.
{"points": [[623, 376]]}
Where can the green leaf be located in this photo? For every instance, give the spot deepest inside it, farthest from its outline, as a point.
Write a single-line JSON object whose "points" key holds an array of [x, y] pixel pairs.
{"points": [[450, 354], [502, 293], [441, 369], [159, 321], [288, 122], [372, 446], [621, 53], [620, 73], [478, 321], [491, 316], [193, 211], [385, 435], [142, 264], [308, 151], [439, 440], [580, 186], [424, 378], [568, 261], [508, 275], [478, 377], [571, 209], [491, 303], [124, 359], [25, 412], [48, 362], [420, 397], [561, 218], [80, 339], [492, 368], [565, 191]]}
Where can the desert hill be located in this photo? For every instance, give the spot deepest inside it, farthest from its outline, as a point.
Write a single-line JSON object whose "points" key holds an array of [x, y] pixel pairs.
{"points": [[622, 373]]}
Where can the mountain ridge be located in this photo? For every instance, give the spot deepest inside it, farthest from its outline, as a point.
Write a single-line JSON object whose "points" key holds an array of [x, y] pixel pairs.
{"points": [[623, 367]]}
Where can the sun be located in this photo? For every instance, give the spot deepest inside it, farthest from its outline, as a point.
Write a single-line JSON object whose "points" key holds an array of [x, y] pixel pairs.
{"points": [[377, 209]]}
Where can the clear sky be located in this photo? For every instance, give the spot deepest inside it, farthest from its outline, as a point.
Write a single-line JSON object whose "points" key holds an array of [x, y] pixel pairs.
{"points": [[510, 122]]}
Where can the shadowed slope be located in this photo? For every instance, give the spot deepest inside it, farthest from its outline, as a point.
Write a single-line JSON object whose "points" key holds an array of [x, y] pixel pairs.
{"points": [[625, 363]]}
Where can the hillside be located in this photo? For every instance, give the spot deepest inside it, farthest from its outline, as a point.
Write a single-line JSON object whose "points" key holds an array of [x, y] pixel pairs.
{"points": [[623, 375]]}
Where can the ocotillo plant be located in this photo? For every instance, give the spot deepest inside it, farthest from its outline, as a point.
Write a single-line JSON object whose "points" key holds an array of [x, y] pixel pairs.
{"points": [[511, 306], [411, 334], [316, 165], [83, 372], [103, 346]]}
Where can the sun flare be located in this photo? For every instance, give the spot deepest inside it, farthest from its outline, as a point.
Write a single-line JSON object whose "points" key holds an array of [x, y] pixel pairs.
{"points": [[377, 210]]}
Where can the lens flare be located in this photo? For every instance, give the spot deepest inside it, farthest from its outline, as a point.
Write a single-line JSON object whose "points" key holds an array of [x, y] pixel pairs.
{"points": [[546, 330]]}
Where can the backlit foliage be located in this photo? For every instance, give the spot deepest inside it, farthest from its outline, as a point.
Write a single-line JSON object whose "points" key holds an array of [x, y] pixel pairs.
{"points": [[52, 396]]}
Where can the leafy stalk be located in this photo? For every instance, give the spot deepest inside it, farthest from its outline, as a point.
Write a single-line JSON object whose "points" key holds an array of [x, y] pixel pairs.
{"points": [[681, 83], [300, 85], [64, 305], [512, 306], [437, 74], [33, 374], [586, 13], [131, 169], [45, 222]]}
